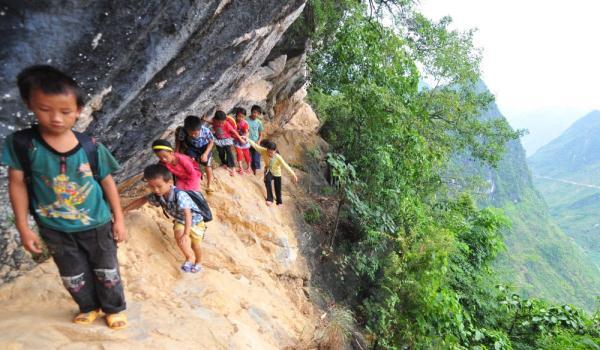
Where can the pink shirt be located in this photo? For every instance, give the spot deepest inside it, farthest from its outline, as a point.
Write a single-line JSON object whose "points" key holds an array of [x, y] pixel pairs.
{"points": [[187, 172]]}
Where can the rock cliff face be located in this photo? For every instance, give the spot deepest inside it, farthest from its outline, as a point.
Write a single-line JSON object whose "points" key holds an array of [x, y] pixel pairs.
{"points": [[145, 65]]}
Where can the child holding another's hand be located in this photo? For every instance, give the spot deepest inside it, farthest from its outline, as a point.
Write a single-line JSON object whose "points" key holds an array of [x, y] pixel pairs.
{"points": [[242, 149], [188, 223], [273, 163]]}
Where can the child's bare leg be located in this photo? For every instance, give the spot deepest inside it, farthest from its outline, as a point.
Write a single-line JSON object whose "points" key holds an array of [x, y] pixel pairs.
{"points": [[184, 246], [197, 252], [209, 175]]}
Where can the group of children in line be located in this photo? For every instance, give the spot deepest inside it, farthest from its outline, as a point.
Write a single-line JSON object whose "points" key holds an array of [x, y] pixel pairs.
{"points": [[63, 178]]}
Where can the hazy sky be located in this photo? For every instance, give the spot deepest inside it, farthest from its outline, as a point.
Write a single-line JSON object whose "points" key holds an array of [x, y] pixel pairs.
{"points": [[541, 58]]}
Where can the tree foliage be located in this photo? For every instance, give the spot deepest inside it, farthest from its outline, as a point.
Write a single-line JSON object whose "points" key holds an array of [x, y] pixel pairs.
{"points": [[397, 102]]}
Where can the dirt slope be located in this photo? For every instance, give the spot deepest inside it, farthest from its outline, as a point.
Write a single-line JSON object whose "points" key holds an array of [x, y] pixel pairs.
{"points": [[251, 294]]}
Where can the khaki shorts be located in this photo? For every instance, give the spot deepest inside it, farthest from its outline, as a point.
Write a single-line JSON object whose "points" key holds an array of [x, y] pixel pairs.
{"points": [[196, 232]]}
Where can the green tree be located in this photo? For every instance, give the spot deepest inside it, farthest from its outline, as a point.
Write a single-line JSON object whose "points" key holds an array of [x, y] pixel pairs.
{"points": [[422, 254]]}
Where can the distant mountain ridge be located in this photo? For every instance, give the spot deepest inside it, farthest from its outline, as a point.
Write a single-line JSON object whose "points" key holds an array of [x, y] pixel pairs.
{"points": [[574, 150], [567, 173], [540, 259]]}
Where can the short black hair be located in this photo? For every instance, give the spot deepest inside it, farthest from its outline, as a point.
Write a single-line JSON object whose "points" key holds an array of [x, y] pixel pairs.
{"points": [[161, 142], [256, 108], [240, 110], [269, 145], [156, 171], [192, 122], [220, 115], [49, 80]]}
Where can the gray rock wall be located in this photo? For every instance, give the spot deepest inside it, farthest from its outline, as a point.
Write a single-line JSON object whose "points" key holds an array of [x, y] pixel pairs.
{"points": [[145, 65]]}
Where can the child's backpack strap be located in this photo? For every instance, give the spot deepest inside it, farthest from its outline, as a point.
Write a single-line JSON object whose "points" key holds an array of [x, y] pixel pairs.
{"points": [[22, 142], [201, 203], [157, 199], [90, 147]]}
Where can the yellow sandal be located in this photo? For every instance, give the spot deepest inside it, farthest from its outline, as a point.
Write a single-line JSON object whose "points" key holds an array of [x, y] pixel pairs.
{"points": [[86, 317], [116, 321]]}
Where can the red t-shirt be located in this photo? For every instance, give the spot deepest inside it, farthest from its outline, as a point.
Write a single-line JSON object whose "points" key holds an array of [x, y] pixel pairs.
{"points": [[242, 127], [224, 131], [187, 172]]}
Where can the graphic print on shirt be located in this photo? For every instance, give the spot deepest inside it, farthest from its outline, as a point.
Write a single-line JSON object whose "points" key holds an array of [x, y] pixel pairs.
{"points": [[219, 132], [68, 194]]}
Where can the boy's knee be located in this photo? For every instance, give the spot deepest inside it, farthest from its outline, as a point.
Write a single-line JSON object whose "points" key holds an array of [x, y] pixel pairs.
{"points": [[74, 283], [108, 277]]}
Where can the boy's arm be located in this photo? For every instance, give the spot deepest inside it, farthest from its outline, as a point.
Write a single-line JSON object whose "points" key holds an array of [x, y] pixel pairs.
{"points": [[256, 146], [135, 204], [235, 134], [288, 168], [260, 133], [112, 196], [187, 226], [19, 200], [204, 156]]}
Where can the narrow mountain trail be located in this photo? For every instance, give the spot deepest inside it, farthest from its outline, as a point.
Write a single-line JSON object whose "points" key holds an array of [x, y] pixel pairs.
{"points": [[566, 181], [252, 293]]}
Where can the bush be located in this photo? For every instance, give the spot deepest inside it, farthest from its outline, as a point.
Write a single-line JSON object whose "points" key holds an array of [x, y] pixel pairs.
{"points": [[313, 214], [338, 329]]}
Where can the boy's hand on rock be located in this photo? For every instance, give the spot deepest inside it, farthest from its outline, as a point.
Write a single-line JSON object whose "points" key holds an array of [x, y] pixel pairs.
{"points": [[119, 232], [295, 178], [31, 241]]}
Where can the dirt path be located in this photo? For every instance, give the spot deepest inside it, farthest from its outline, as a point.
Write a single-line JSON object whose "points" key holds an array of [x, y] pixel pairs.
{"points": [[250, 295]]}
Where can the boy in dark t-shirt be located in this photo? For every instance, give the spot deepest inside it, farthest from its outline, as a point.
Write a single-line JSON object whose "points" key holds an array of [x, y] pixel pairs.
{"points": [[67, 193]]}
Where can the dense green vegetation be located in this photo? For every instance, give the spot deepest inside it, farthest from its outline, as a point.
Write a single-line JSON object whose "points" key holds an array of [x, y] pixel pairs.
{"points": [[563, 168], [417, 251]]}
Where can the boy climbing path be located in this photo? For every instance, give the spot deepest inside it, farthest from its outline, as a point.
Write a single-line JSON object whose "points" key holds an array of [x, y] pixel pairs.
{"points": [[188, 209], [273, 163]]}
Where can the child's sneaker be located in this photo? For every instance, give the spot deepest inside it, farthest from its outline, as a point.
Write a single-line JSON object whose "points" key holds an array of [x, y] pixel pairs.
{"points": [[196, 268], [187, 266]]}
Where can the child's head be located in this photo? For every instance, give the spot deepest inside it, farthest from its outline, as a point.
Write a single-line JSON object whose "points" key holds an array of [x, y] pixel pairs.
{"points": [[192, 125], [54, 97], [158, 178], [240, 113], [220, 117], [255, 111], [270, 146], [164, 151]]}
